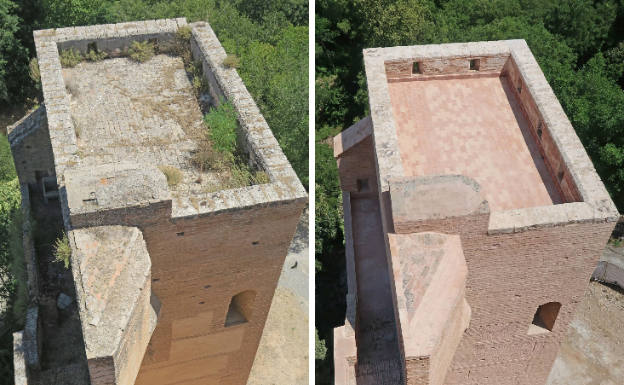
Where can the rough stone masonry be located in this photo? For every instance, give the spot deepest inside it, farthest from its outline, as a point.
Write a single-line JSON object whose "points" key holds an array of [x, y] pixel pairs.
{"points": [[173, 283], [473, 219]]}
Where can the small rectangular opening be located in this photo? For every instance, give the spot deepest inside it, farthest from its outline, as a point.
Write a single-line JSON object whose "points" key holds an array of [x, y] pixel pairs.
{"points": [[416, 68], [544, 318], [474, 64], [362, 185]]}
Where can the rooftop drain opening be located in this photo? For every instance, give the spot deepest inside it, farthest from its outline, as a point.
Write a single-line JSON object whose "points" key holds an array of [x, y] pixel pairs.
{"points": [[240, 309], [474, 64], [416, 68], [544, 318]]}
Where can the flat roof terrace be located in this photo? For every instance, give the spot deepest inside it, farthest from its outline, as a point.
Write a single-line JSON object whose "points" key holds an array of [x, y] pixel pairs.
{"points": [[472, 126], [486, 111], [143, 113], [127, 132]]}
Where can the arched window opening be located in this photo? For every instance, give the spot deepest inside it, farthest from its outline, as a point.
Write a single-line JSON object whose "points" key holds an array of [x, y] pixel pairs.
{"points": [[240, 309]]}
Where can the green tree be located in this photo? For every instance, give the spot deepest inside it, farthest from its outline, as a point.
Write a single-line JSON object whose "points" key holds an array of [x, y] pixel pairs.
{"points": [[594, 102], [63, 13], [13, 56], [584, 25], [7, 170]]}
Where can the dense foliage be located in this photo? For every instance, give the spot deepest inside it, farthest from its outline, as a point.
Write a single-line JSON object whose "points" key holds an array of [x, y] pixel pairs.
{"points": [[13, 55], [270, 39], [579, 45], [12, 276]]}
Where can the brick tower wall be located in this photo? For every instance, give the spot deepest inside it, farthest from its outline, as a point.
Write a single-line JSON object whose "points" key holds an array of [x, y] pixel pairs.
{"points": [[195, 275], [509, 277]]}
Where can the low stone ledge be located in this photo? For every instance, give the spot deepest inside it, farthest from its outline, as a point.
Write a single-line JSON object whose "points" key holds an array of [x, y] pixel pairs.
{"points": [[610, 268], [261, 143], [520, 220], [416, 199], [352, 136]]}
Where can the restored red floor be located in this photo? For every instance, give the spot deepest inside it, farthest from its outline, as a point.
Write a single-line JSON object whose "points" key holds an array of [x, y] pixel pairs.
{"points": [[473, 127]]}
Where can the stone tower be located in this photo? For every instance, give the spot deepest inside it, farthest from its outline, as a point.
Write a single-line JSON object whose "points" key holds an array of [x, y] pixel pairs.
{"points": [[473, 219], [173, 280]]}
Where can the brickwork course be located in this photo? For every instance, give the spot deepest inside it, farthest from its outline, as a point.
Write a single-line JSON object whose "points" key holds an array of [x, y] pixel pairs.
{"points": [[473, 219], [173, 283]]}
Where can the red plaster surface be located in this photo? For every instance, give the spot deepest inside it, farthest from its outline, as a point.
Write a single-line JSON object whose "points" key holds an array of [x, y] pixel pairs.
{"points": [[473, 127]]}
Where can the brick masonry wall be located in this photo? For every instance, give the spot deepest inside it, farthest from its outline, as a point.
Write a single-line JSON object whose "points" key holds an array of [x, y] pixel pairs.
{"points": [[541, 134], [196, 274], [198, 264], [509, 276], [518, 259], [403, 69]]}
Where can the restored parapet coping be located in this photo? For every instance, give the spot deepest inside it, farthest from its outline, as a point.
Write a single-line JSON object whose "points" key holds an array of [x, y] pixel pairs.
{"points": [[352, 136], [102, 330], [434, 197], [597, 205], [284, 185]]}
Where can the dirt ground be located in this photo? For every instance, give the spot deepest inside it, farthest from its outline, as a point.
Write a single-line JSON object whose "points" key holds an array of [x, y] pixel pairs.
{"points": [[593, 351], [282, 356]]}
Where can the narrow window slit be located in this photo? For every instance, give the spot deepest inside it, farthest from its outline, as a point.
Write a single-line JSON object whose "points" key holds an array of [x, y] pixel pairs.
{"points": [[474, 64], [416, 68]]}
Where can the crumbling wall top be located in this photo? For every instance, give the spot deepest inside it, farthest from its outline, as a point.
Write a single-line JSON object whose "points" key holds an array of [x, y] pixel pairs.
{"points": [[284, 185]]}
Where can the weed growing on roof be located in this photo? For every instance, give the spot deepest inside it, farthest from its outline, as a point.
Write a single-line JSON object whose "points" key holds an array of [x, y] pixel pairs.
{"points": [[141, 51], [222, 124], [95, 55], [62, 251], [231, 61], [173, 175], [70, 57], [184, 33]]}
